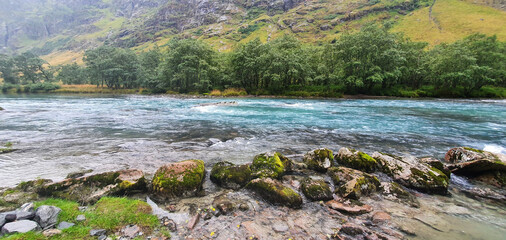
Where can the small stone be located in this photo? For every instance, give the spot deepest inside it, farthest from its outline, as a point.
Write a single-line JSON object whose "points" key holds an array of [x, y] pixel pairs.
{"points": [[83, 209], [193, 221], [51, 232], [349, 209], [47, 216], [11, 217], [131, 231], [27, 207], [22, 226], [352, 229], [243, 207], [22, 215], [65, 225], [169, 223], [171, 208], [280, 227], [103, 237], [97, 232], [80, 218], [380, 217]]}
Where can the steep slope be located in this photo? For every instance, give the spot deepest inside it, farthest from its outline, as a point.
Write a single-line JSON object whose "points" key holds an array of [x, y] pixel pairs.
{"points": [[62, 30]]}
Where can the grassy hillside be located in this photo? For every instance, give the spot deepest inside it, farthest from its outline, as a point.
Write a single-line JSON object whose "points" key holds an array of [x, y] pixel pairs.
{"points": [[312, 22], [452, 20]]}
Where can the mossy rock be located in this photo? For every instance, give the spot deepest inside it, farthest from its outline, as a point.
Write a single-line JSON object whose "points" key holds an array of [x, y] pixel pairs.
{"points": [[353, 184], [90, 189], [319, 160], [275, 192], [436, 164], [270, 165], [182, 179], [316, 190], [228, 175], [413, 173], [357, 160]]}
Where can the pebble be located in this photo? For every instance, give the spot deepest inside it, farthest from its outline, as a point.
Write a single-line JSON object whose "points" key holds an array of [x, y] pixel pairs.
{"points": [[80, 218], [65, 225], [97, 232], [51, 232]]}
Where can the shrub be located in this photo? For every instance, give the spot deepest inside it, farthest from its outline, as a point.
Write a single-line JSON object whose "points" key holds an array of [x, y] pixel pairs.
{"points": [[231, 92]]}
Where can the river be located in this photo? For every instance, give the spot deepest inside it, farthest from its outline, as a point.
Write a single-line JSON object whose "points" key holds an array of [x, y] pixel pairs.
{"points": [[59, 134]]}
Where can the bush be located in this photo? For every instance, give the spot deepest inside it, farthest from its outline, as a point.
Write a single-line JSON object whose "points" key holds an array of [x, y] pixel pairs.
{"points": [[41, 87], [232, 92], [215, 92], [8, 87]]}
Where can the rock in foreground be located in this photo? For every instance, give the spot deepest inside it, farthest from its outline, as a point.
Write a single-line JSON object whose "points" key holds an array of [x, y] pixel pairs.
{"points": [[412, 173], [270, 165], [21, 226], [351, 183], [181, 179], [319, 159], [355, 159], [228, 175], [316, 190], [275, 192]]}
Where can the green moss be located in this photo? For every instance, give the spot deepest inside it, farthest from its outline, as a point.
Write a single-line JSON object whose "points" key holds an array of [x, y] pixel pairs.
{"points": [[360, 161], [268, 165], [171, 184], [332, 172], [434, 181], [274, 192], [319, 159], [473, 150], [228, 175], [316, 190]]}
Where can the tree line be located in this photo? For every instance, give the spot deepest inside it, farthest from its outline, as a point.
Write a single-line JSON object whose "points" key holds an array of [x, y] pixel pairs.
{"points": [[370, 61]]}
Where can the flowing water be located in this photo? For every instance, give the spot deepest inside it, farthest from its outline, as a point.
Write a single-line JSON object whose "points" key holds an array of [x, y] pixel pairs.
{"points": [[59, 134]]}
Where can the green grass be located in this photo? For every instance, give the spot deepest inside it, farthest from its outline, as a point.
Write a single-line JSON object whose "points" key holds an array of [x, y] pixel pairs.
{"points": [[109, 213]]}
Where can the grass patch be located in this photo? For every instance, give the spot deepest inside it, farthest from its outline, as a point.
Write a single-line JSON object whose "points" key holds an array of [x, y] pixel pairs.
{"points": [[109, 213]]}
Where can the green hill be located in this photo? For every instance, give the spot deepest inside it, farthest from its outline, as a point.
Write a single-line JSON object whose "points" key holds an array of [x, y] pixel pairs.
{"points": [[62, 30]]}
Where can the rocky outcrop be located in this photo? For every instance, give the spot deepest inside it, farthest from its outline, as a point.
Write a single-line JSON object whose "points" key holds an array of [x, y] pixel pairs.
{"points": [[181, 179], [228, 175], [319, 159], [270, 165], [275, 192], [481, 165], [47, 216], [351, 183], [91, 188], [316, 190], [412, 173], [355, 159]]}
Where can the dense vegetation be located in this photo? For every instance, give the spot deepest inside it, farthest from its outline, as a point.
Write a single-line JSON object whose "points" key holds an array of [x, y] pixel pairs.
{"points": [[371, 61]]}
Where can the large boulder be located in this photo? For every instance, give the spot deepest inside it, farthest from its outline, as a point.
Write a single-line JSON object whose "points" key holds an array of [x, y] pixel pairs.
{"points": [[319, 160], [181, 179], [21, 226], [90, 189], [482, 165], [231, 176], [316, 190], [353, 184], [412, 173], [270, 165], [47, 216], [355, 159], [275, 192]]}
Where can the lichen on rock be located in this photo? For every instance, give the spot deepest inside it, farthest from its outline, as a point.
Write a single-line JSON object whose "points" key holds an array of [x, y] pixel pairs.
{"points": [[353, 184], [275, 192], [270, 165], [181, 179], [355, 159], [319, 159], [228, 175], [316, 189]]}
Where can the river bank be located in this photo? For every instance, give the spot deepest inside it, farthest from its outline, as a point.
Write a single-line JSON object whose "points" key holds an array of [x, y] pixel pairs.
{"points": [[349, 195], [425, 92]]}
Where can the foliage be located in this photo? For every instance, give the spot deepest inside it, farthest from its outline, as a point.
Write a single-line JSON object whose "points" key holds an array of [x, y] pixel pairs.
{"points": [[72, 74]]}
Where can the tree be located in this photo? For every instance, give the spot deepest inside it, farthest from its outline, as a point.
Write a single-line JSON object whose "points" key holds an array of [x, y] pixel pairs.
{"points": [[8, 69], [248, 64], [31, 68], [150, 66], [72, 74], [369, 57], [114, 67], [189, 66]]}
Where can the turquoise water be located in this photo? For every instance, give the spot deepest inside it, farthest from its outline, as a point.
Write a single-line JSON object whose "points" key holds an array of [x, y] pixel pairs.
{"points": [[61, 134]]}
